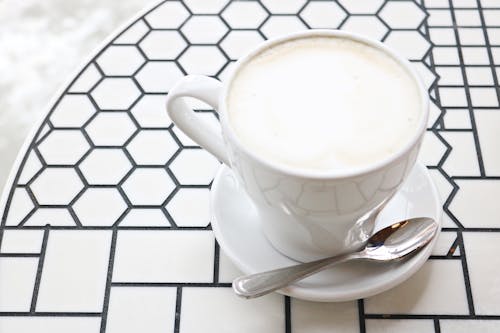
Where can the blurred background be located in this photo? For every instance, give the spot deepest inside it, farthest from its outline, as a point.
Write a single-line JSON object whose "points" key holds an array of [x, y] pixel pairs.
{"points": [[41, 44]]}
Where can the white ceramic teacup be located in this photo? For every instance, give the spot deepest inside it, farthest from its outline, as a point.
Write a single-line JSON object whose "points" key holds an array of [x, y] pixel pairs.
{"points": [[305, 215]]}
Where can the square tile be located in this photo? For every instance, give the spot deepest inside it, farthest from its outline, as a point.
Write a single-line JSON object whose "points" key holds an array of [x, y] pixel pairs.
{"points": [[132, 309], [205, 307], [484, 97], [453, 97], [490, 4], [443, 36], [484, 270], [17, 278], [444, 243], [494, 36], [318, 317], [492, 17], [488, 127], [22, 241], [462, 160], [227, 270], [475, 56], [464, 3], [495, 52], [399, 325], [457, 119], [450, 76], [445, 56], [436, 3], [437, 288], [467, 17], [164, 256], [467, 326], [479, 76], [439, 18], [471, 36], [74, 271], [476, 203], [53, 324]]}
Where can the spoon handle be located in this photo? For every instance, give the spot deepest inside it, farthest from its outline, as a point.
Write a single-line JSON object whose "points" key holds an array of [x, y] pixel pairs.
{"points": [[260, 284]]}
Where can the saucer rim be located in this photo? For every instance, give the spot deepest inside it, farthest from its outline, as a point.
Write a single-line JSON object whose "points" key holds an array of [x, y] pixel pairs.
{"points": [[320, 295]]}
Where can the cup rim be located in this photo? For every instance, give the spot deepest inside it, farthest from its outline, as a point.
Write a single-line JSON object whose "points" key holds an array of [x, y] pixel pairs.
{"points": [[334, 174]]}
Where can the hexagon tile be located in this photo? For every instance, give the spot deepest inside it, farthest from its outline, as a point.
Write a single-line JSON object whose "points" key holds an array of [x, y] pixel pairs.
{"points": [[110, 201]]}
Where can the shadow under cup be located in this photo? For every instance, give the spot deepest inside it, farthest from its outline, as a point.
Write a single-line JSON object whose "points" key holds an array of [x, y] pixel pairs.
{"points": [[305, 215]]}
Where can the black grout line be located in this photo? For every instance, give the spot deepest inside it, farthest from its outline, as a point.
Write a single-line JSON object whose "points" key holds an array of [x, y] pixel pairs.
{"points": [[288, 314], [172, 284], [437, 327], [178, 308], [430, 316], [50, 314], [38, 279], [361, 316], [468, 288], [109, 278], [216, 261]]}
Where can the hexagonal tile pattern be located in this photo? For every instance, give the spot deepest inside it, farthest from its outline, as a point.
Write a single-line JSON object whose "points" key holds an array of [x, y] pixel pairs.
{"points": [[161, 45], [148, 186], [190, 207], [239, 42], [110, 129], [174, 10], [152, 147], [204, 29], [20, 206], [281, 25], [133, 34], [105, 166], [283, 7], [402, 14], [99, 207], [432, 150], [410, 44], [115, 93], [120, 60], [244, 14], [87, 79], [63, 147], [56, 186], [369, 26], [361, 7], [319, 14], [158, 77], [147, 217], [194, 167], [207, 60], [205, 6], [72, 111], [150, 111]]}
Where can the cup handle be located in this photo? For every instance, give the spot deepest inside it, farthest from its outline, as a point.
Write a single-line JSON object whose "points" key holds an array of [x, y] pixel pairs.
{"points": [[207, 90]]}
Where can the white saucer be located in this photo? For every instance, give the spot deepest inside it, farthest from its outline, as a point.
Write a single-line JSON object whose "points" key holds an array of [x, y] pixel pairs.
{"points": [[238, 232]]}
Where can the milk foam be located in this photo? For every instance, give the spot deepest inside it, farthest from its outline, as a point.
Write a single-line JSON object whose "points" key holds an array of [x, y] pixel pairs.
{"points": [[323, 104]]}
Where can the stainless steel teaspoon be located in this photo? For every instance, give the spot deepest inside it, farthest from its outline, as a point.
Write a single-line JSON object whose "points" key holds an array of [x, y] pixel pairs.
{"points": [[393, 242]]}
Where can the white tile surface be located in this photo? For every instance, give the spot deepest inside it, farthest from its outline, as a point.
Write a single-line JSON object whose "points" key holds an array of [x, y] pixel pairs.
{"points": [[152, 147], [105, 166], [175, 10], [399, 325], [444, 243], [50, 324], [52, 216], [203, 307], [21, 241], [17, 276], [31, 167], [204, 29], [120, 60], [149, 111], [356, 7], [194, 167], [244, 14], [56, 186], [158, 77], [164, 256], [99, 207], [432, 149], [63, 147], [205, 6], [227, 270], [115, 93], [323, 14], [437, 288], [74, 271], [466, 326], [190, 207], [457, 118], [463, 156], [20, 206], [133, 34], [213, 60], [488, 125], [110, 129], [484, 270], [483, 97], [72, 111], [159, 45], [136, 309], [239, 42], [402, 15], [89, 77], [476, 204], [137, 217], [365, 25], [315, 317], [147, 186], [277, 26], [409, 43]]}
